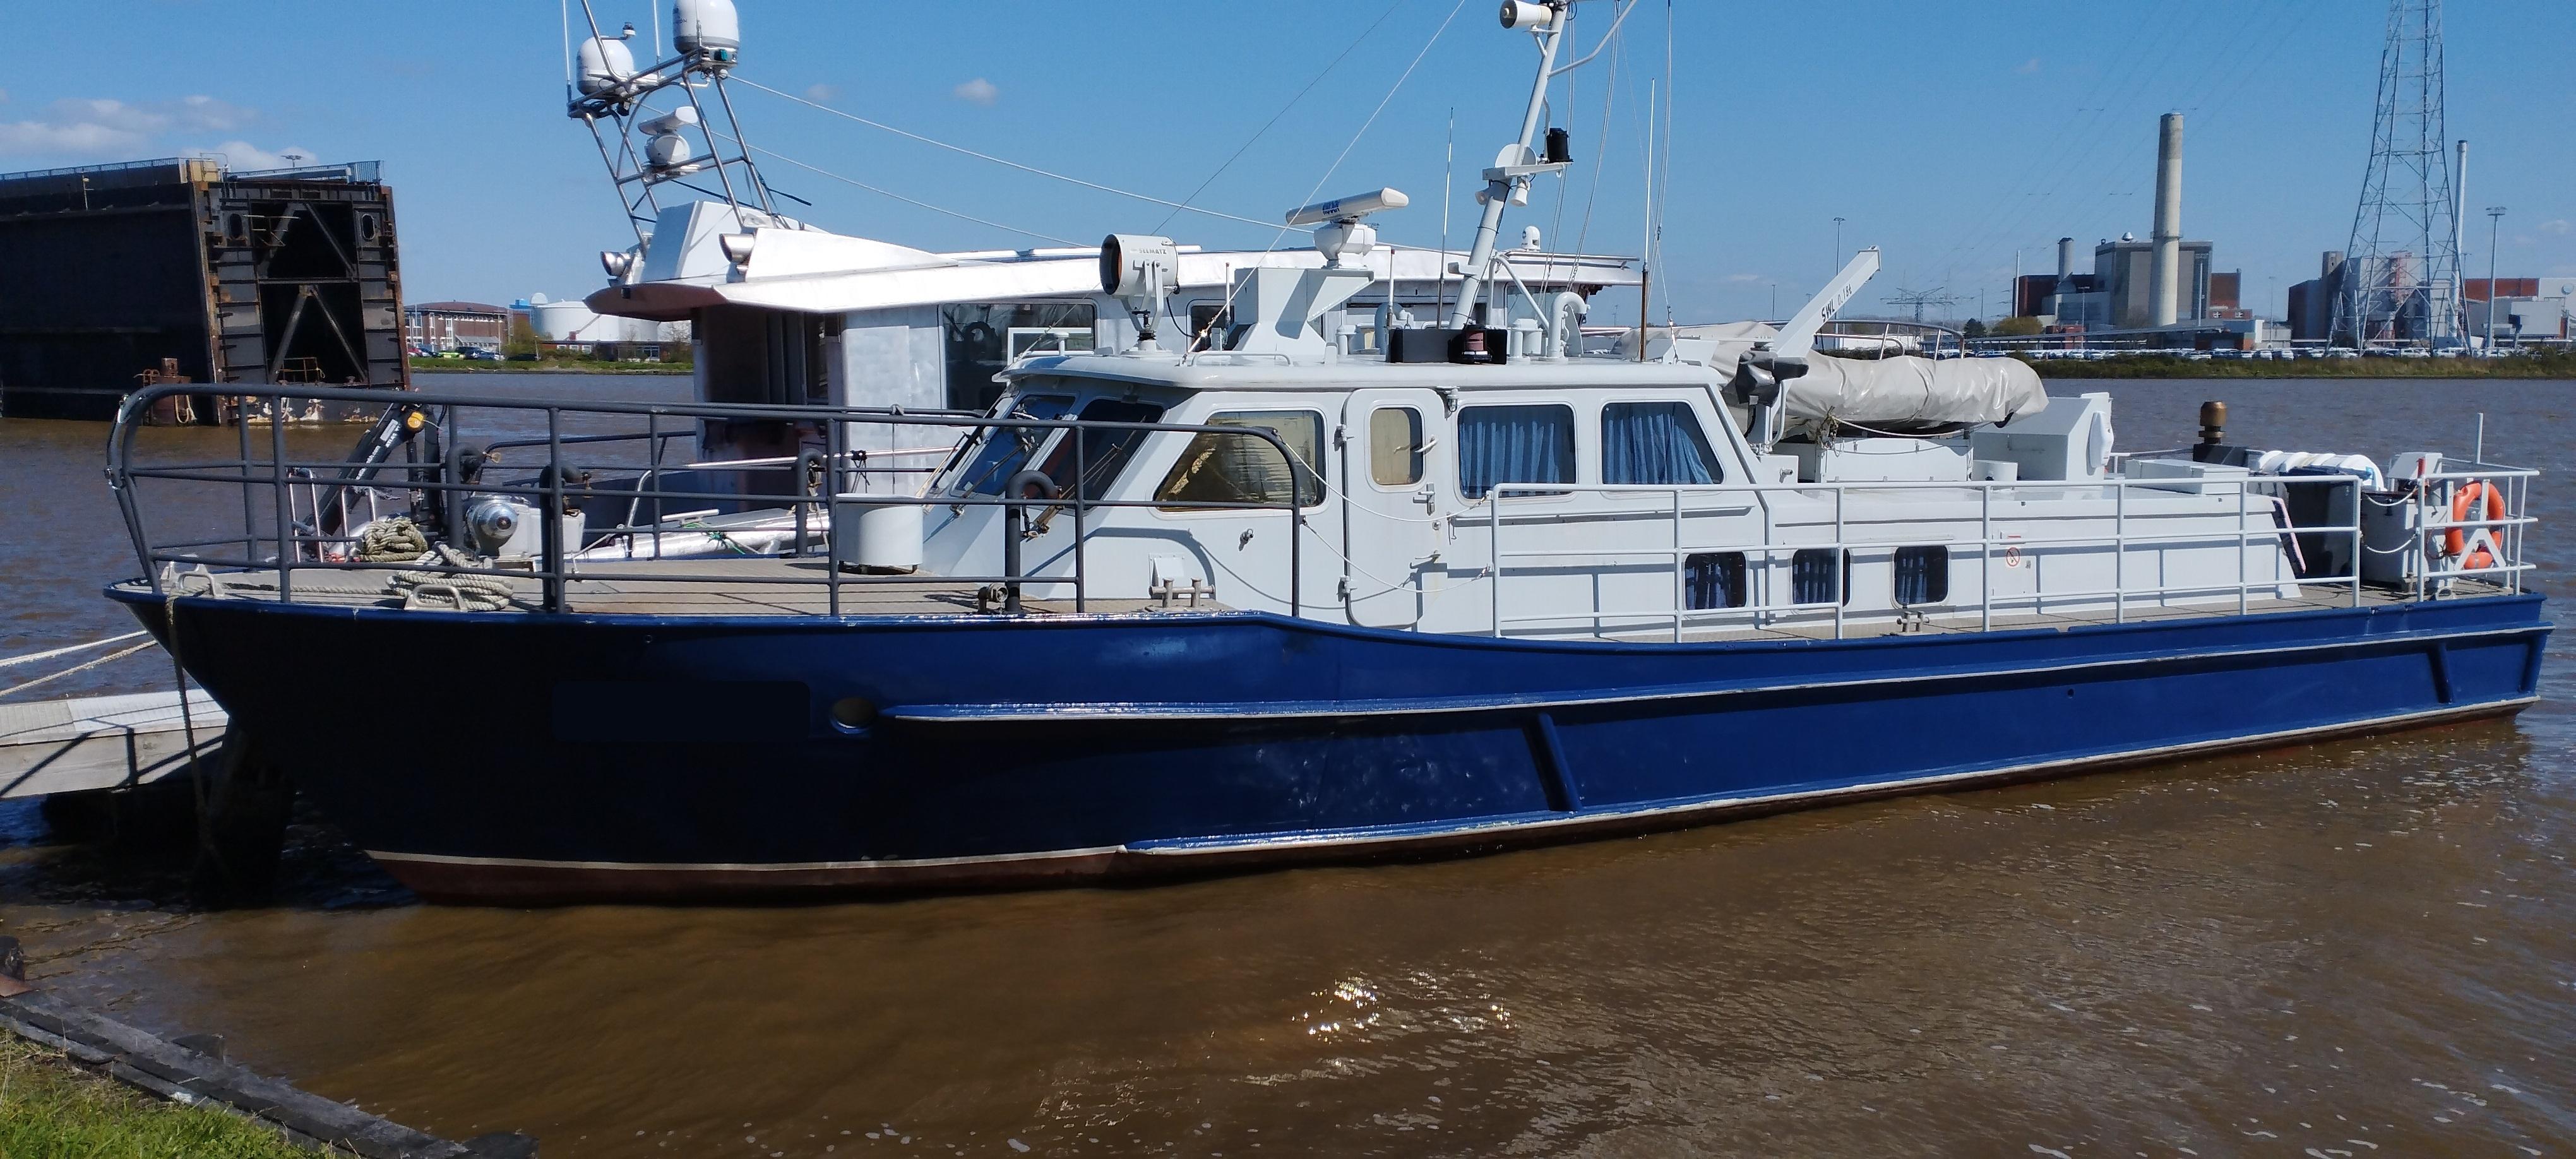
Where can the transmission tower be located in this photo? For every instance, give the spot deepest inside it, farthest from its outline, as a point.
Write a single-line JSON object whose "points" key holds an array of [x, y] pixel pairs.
{"points": [[1936, 296], [2401, 276]]}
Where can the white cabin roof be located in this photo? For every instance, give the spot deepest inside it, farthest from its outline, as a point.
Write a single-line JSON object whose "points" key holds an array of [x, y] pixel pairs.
{"points": [[1221, 371], [682, 268]]}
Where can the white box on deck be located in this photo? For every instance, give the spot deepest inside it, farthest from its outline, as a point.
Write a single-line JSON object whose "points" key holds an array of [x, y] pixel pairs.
{"points": [[2067, 442]]}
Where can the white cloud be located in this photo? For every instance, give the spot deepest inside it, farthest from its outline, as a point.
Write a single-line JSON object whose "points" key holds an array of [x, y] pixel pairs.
{"points": [[2028, 67], [4, 96], [822, 94], [103, 126], [2556, 226], [978, 92], [1743, 277], [242, 155]]}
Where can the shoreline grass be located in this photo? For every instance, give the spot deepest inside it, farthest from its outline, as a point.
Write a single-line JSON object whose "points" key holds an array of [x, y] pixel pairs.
{"points": [[462, 366], [51, 1106], [2530, 366]]}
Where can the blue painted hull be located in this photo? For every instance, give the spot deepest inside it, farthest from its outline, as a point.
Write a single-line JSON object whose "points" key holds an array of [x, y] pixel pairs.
{"points": [[573, 757]]}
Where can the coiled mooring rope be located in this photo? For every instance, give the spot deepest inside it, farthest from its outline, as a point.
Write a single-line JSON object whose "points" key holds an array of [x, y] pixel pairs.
{"points": [[452, 589], [394, 540]]}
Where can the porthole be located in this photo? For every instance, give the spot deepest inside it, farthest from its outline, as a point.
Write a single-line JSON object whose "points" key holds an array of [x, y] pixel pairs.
{"points": [[367, 227]]}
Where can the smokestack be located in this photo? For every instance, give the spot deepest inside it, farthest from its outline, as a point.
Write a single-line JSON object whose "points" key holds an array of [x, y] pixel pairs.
{"points": [[2065, 259], [2164, 285]]}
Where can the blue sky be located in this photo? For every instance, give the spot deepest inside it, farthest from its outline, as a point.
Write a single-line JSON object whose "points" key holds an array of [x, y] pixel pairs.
{"points": [[1953, 136]]}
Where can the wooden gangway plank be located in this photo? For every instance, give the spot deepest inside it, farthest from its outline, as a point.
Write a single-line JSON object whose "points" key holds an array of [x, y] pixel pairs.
{"points": [[101, 742]]}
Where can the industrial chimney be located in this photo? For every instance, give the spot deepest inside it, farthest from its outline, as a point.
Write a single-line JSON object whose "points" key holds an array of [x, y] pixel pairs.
{"points": [[2164, 284]]}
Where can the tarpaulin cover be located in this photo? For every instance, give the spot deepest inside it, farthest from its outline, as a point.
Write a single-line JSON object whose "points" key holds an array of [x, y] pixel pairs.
{"points": [[1912, 392]]}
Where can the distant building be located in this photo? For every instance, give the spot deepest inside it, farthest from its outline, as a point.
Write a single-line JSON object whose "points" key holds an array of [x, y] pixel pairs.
{"points": [[440, 327], [2524, 309]]}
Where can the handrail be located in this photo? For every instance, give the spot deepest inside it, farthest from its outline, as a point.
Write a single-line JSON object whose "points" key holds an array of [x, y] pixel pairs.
{"points": [[552, 483], [2506, 569]]}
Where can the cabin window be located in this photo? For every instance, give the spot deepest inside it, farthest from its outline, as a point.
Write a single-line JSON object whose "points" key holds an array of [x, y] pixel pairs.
{"points": [[979, 341], [1813, 572], [1246, 469], [1713, 579], [1001, 452], [1922, 575], [1104, 452], [1514, 444], [1395, 446], [1655, 442]]}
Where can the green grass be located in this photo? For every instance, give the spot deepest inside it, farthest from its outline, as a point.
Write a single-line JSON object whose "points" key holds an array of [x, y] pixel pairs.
{"points": [[53, 1109], [2534, 366]]}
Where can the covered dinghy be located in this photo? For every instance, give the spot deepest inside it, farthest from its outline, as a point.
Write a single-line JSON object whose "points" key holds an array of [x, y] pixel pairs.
{"points": [[1912, 394]]}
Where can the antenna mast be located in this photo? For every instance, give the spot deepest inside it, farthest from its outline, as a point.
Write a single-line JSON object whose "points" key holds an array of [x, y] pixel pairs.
{"points": [[610, 92], [1508, 181]]}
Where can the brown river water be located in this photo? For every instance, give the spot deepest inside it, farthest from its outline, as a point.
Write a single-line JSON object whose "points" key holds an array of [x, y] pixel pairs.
{"points": [[2364, 948]]}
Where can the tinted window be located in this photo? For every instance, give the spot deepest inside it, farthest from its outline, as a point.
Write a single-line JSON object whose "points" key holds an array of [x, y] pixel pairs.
{"points": [[1514, 444], [1813, 573], [1247, 469], [1395, 446], [1104, 453], [1001, 452], [1922, 575], [1713, 580], [1655, 442]]}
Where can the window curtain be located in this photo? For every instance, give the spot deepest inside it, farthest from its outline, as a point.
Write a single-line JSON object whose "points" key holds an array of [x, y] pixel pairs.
{"points": [[1654, 442], [1514, 444], [1235, 469]]}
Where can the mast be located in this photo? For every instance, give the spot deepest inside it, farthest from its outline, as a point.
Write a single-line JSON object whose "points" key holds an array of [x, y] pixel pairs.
{"points": [[1513, 169]]}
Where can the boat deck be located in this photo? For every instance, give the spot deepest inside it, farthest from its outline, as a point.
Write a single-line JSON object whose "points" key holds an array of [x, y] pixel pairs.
{"points": [[770, 586]]}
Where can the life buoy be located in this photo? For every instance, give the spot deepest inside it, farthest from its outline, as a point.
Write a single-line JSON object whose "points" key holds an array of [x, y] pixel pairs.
{"points": [[2474, 548]]}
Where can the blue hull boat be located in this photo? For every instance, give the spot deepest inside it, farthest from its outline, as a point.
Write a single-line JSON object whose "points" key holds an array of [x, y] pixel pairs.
{"points": [[698, 758], [1319, 580]]}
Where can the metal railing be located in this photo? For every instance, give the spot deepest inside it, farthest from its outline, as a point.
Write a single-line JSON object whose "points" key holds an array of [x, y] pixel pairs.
{"points": [[295, 545], [2256, 495]]}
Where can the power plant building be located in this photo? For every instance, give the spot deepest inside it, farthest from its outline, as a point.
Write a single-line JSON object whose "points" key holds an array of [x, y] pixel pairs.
{"points": [[2158, 291]]}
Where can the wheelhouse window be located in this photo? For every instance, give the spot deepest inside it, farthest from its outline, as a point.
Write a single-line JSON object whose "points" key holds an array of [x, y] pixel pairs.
{"points": [[1001, 452], [1246, 469], [1104, 453], [1655, 442], [1395, 446], [1813, 575], [1514, 444], [1922, 575]]}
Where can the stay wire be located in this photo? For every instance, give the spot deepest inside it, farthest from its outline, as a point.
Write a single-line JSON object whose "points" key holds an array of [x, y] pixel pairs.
{"points": [[1002, 161], [888, 193], [1266, 126]]}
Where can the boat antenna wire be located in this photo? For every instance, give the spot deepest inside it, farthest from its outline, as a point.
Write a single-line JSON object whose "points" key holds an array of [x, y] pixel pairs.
{"points": [[1002, 161], [1283, 111], [1448, 165], [1365, 125], [888, 193], [1664, 192]]}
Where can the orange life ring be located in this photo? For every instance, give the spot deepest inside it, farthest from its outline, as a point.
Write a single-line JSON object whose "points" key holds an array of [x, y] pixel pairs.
{"points": [[2456, 543]]}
